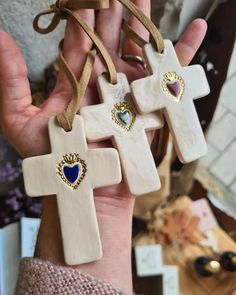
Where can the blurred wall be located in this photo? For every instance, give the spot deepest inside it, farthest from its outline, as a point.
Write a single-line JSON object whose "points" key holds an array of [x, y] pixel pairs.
{"points": [[173, 16], [16, 17]]}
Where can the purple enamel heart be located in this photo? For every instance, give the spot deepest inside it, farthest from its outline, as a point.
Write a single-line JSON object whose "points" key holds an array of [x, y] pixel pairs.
{"points": [[174, 88]]}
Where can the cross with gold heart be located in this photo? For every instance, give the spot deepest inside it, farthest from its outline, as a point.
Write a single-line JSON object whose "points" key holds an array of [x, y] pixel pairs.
{"points": [[116, 119], [71, 172], [172, 88]]}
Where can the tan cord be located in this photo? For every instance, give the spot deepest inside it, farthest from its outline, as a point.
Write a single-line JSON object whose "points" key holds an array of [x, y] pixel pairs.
{"points": [[132, 34], [87, 4], [69, 4], [160, 141], [66, 118], [148, 24], [61, 11]]}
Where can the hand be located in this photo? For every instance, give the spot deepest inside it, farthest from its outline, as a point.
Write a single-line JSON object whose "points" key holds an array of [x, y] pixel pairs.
{"points": [[25, 126]]}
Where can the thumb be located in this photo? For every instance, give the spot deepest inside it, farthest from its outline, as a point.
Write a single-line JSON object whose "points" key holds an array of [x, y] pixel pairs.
{"points": [[15, 96]]}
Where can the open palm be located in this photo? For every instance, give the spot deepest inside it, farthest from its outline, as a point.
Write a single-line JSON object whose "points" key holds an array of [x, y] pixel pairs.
{"points": [[25, 126]]}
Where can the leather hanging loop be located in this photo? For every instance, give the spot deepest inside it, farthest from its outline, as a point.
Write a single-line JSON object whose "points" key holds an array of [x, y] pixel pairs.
{"points": [[62, 9], [65, 119], [97, 43], [147, 23], [132, 34], [57, 10], [52, 25], [87, 4]]}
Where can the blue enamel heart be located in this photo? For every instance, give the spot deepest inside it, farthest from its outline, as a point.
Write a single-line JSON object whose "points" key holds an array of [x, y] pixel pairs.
{"points": [[71, 172]]}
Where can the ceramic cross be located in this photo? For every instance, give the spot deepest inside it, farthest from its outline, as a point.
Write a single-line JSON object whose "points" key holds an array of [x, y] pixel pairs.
{"points": [[172, 88], [71, 172], [116, 118]]}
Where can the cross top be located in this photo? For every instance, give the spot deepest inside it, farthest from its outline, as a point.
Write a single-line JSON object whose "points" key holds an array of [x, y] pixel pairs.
{"points": [[116, 119], [71, 172], [172, 88]]}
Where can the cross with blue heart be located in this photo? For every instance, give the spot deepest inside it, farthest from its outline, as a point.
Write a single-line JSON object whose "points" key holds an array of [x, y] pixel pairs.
{"points": [[71, 172]]}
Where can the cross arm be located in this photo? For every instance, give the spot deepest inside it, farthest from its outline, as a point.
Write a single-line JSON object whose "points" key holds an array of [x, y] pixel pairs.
{"points": [[105, 167], [145, 93], [39, 176], [97, 123], [196, 76], [151, 121]]}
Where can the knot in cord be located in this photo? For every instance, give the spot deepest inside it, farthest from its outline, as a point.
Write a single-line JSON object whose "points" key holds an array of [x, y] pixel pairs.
{"points": [[62, 8], [58, 8]]}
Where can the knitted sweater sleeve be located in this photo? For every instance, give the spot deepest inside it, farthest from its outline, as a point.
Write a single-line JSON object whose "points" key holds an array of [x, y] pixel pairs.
{"points": [[37, 277]]}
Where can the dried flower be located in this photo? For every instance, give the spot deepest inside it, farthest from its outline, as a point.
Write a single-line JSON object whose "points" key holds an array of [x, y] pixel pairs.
{"points": [[179, 227], [9, 173]]}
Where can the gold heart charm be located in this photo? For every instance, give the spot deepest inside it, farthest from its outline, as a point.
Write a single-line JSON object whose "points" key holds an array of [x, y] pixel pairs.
{"points": [[123, 115], [72, 170], [173, 85]]}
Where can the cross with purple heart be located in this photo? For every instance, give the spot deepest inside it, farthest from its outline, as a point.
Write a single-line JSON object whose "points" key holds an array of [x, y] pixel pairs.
{"points": [[171, 88]]}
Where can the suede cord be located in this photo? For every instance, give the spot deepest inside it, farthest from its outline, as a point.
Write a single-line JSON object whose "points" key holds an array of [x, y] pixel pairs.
{"points": [[132, 34], [148, 24], [61, 11], [66, 118], [64, 8], [160, 141]]}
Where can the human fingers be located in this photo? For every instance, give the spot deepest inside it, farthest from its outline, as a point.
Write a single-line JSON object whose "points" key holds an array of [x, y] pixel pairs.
{"points": [[15, 96], [108, 25], [129, 46], [76, 41], [190, 41], [75, 48]]}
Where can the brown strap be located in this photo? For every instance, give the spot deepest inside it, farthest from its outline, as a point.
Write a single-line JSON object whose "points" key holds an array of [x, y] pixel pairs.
{"points": [[132, 34], [70, 4], [148, 24], [160, 141], [87, 4], [65, 119], [61, 11]]}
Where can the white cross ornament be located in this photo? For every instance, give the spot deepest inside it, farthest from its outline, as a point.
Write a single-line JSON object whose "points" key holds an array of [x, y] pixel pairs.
{"points": [[115, 118], [71, 172], [172, 88]]}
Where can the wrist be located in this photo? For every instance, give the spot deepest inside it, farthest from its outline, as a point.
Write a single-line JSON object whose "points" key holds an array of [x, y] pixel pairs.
{"points": [[115, 223]]}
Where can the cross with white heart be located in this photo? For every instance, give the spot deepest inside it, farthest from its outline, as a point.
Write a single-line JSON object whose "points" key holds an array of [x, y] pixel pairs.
{"points": [[172, 88], [71, 172], [115, 118]]}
